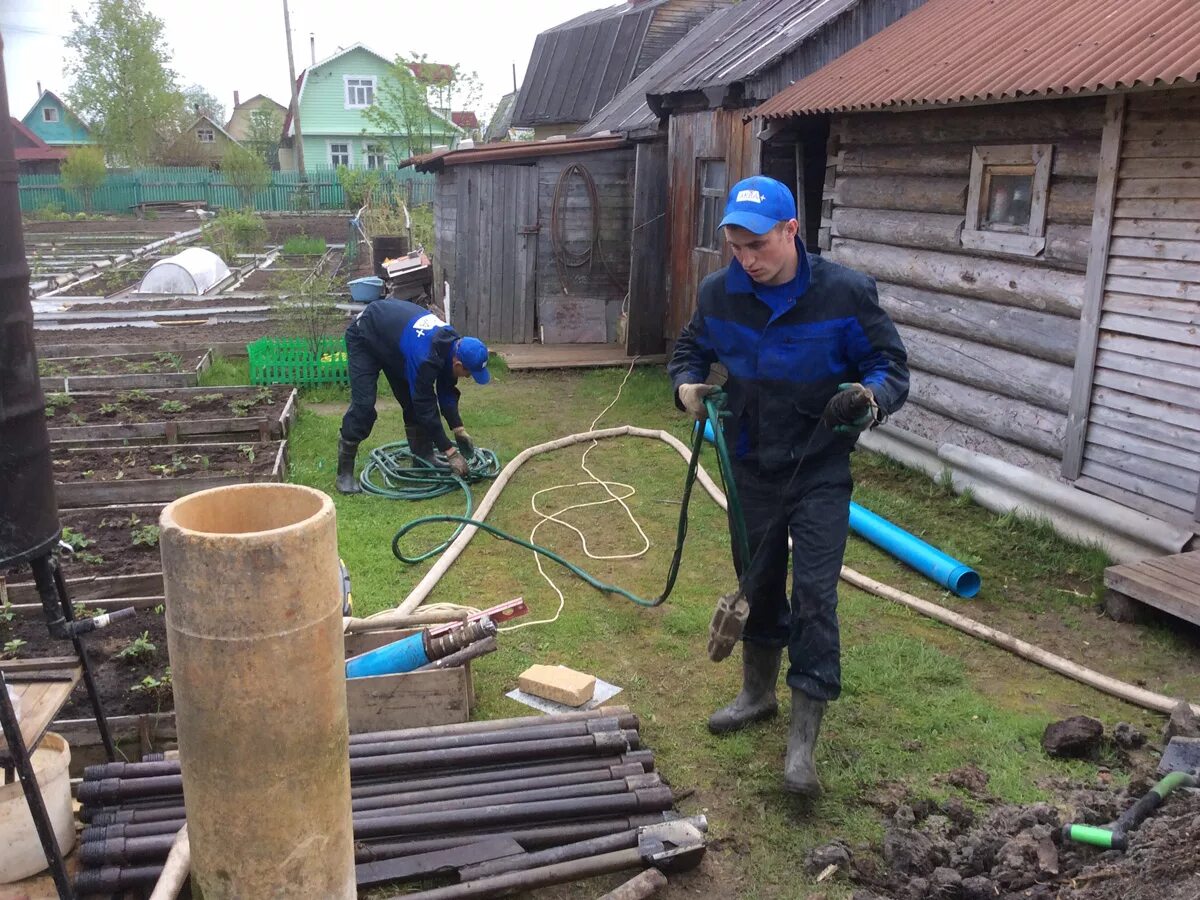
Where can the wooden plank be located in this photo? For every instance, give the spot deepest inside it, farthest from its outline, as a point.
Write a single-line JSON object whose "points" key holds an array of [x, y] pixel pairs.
{"points": [[1149, 368], [1150, 287], [1176, 332], [1168, 566], [1160, 168], [149, 602], [1160, 148], [1071, 158], [1138, 485], [1133, 463], [1027, 285], [1162, 269], [1156, 229], [1142, 386], [1154, 430], [898, 192], [1002, 372], [1038, 334], [1093, 290], [1048, 121], [1148, 408], [93, 588], [1152, 592], [1149, 248], [648, 249], [40, 702], [1158, 188], [137, 431], [1150, 349], [412, 700], [1183, 311], [44, 663], [1188, 210], [1161, 127], [1166, 580], [81, 383], [84, 732]]}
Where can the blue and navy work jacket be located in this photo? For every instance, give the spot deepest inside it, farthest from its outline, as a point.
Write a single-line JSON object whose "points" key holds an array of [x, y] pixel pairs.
{"points": [[400, 331], [787, 354]]}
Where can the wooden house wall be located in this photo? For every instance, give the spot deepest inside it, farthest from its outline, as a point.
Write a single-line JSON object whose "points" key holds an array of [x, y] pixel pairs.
{"points": [[991, 337], [711, 134], [1142, 445]]}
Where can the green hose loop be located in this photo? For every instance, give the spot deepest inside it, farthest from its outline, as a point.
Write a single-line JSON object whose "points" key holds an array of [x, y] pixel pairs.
{"points": [[714, 404]]}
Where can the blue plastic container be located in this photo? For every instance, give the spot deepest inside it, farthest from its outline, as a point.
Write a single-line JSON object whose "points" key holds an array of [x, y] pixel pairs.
{"points": [[364, 290]]}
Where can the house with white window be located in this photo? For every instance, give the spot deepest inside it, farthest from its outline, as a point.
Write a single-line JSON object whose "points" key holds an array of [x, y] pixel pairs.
{"points": [[51, 120], [202, 143], [333, 95]]}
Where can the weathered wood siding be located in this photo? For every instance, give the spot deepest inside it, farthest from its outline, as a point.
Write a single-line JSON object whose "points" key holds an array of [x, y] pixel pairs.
{"points": [[582, 304], [991, 337], [648, 250], [445, 229], [715, 134], [1142, 444]]}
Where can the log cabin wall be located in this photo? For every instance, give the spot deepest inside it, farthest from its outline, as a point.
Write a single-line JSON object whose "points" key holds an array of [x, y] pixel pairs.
{"points": [[695, 136], [1135, 418], [991, 337]]}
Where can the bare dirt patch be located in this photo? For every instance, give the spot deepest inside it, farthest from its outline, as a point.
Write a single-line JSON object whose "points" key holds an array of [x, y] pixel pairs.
{"points": [[163, 361], [186, 461]]}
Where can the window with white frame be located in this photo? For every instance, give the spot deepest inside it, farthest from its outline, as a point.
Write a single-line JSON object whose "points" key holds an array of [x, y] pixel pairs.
{"points": [[1006, 204], [205, 135], [339, 154], [360, 91], [710, 201], [49, 114], [376, 156]]}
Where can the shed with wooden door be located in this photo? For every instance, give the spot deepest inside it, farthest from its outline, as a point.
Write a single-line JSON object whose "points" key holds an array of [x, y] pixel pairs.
{"points": [[1023, 182], [531, 239]]}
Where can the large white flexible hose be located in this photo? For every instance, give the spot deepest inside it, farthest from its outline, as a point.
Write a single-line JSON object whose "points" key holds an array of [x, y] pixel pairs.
{"points": [[1090, 677]]}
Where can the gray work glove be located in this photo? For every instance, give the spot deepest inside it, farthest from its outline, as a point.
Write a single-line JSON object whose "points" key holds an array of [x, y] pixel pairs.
{"points": [[852, 410], [465, 445], [458, 463], [692, 397]]}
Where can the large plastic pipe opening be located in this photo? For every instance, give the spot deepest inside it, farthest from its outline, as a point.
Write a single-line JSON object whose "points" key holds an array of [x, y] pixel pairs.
{"points": [[248, 508]]}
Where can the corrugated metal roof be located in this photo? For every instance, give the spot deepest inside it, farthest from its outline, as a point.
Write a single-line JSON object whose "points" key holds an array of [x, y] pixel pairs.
{"points": [[512, 151], [964, 51], [735, 44]]}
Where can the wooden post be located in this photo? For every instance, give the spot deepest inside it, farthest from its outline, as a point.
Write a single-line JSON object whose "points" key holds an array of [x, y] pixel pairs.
{"points": [[1093, 291]]}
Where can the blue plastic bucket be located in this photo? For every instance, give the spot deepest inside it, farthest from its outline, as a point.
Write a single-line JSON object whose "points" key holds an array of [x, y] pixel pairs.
{"points": [[364, 290]]}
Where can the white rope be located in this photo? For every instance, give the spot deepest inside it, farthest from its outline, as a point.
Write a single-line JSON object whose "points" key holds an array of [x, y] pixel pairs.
{"points": [[627, 492]]}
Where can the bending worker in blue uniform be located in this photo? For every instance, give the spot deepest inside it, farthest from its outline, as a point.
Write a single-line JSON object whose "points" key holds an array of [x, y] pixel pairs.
{"points": [[813, 361], [422, 358]]}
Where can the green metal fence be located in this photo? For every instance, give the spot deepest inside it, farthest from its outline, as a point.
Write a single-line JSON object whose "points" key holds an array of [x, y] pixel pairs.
{"points": [[124, 189]]}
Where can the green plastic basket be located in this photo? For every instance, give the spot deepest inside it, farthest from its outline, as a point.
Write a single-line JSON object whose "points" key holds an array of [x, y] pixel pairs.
{"points": [[291, 361]]}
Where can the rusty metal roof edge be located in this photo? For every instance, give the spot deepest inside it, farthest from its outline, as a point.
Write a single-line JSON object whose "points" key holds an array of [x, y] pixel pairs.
{"points": [[513, 150], [1137, 87]]}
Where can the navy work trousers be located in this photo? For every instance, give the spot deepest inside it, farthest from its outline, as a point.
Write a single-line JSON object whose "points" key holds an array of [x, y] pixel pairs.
{"points": [[813, 509], [365, 363]]}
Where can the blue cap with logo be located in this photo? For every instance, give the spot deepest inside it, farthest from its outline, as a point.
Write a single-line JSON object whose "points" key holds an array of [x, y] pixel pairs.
{"points": [[473, 354], [758, 204]]}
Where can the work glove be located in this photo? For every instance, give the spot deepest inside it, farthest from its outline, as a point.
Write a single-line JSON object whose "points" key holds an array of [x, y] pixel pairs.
{"points": [[692, 397], [852, 410], [458, 463], [465, 445]]}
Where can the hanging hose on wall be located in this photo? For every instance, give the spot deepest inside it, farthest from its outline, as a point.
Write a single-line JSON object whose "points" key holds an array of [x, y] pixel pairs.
{"points": [[566, 258]]}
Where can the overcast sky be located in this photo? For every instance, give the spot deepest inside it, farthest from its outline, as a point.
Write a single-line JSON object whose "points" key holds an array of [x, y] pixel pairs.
{"points": [[228, 45]]}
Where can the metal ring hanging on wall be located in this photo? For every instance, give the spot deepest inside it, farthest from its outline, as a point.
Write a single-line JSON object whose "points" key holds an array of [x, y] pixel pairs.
{"points": [[564, 257]]}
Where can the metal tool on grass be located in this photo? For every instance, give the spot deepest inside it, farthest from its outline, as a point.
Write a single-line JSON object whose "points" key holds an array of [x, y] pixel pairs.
{"points": [[1117, 837]]}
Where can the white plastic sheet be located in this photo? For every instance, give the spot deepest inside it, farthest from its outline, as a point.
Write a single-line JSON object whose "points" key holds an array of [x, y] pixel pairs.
{"points": [[191, 271]]}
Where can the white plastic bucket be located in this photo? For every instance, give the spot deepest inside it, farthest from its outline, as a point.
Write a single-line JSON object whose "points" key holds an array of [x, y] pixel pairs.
{"points": [[20, 850]]}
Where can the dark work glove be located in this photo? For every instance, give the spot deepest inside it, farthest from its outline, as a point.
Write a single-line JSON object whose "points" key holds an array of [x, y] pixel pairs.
{"points": [[465, 445], [458, 463], [852, 410]]}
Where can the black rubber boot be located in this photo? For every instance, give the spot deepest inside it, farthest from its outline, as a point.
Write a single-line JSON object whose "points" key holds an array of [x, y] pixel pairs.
{"points": [[346, 482], [420, 444], [799, 771], [756, 701]]}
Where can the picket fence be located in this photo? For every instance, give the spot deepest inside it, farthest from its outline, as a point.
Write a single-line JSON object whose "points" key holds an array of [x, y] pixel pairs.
{"points": [[125, 189]]}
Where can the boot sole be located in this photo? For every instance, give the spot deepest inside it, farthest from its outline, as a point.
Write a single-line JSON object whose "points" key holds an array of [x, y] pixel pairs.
{"points": [[807, 791], [744, 723]]}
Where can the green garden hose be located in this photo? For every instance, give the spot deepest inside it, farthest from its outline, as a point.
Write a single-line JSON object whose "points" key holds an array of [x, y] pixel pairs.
{"points": [[713, 403]]}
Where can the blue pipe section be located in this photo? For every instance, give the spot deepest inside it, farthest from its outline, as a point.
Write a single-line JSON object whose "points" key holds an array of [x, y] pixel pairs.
{"points": [[928, 560], [399, 656], [931, 562]]}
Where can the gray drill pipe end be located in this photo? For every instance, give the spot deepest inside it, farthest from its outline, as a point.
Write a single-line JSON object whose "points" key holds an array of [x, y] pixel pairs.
{"points": [[641, 782], [98, 852], [654, 798], [97, 880], [613, 723], [102, 790], [643, 758], [625, 770], [612, 741]]}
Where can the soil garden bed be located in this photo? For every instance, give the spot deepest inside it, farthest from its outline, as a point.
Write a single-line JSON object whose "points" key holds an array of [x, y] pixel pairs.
{"points": [[136, 370], [140, 303], [95, 476], [334, 228], [168, 416], [109, 281]]}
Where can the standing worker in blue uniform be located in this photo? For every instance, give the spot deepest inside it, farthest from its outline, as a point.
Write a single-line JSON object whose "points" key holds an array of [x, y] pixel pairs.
{"points": [[813, 361], [422, 358]]}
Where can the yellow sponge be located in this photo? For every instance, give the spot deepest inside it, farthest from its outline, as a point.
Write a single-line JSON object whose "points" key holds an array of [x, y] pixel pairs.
{"points": [[559, 684]]}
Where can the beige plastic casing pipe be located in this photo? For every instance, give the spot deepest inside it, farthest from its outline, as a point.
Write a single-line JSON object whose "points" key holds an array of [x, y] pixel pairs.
{"points": [[254, 631]]}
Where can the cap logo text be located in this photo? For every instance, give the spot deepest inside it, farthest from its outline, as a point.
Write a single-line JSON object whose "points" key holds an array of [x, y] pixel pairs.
{"points": [[749, 195]]}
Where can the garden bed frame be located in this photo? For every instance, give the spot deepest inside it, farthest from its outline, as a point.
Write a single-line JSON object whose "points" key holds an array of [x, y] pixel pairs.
{"points": [[76, 384]]}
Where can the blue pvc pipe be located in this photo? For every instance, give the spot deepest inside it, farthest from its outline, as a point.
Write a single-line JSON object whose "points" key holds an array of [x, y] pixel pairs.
{"points": [[399, 656], [931, 562], [926, 559]]}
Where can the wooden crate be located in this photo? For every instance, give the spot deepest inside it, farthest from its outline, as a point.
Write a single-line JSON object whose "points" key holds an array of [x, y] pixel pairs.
{"points": [[411, 700]]}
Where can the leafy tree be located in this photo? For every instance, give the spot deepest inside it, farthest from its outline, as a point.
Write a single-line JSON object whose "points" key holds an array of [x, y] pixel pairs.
{"points": [[413, 103], [83, 171], [246, 171], [122, 81], [199, 102], [263, 134], [359, 185]]}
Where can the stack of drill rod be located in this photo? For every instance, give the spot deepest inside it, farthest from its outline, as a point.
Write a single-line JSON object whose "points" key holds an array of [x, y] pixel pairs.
{"points": [[543, 781]]}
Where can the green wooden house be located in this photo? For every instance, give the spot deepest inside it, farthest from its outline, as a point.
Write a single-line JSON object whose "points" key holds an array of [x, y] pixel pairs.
{"points": [[333, 94], [51, 121]]}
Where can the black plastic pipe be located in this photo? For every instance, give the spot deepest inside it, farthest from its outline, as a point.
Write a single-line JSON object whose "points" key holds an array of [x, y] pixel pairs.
{"points": [[406, 734]]}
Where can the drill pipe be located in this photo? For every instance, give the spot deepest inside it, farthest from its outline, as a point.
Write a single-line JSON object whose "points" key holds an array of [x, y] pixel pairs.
{"points": [[446, 787], [463, 656], [154, 848], [597, 789], [112, 879], [108, 790], [404, 734], [583, 728]]}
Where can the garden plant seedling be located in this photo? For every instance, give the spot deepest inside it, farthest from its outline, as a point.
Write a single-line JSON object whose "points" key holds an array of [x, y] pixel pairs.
{"points": [[172, 406], [76, 540], [12, 648], [139, 649], [144, 536]]}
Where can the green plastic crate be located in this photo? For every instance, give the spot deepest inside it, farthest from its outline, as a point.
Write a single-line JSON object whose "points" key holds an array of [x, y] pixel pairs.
{"points": [[291, 361]]}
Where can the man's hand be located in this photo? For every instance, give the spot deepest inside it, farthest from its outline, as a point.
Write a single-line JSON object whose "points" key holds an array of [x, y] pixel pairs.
{"points": [[465, 445], [692, 397], [852, 410], [458, 463]]}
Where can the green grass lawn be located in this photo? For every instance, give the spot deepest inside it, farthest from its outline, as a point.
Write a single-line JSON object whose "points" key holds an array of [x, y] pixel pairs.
{"points": [[919, 699]]}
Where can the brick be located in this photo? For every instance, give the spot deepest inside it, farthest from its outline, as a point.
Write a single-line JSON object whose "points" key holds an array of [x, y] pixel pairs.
{"points": [[558, 683]]}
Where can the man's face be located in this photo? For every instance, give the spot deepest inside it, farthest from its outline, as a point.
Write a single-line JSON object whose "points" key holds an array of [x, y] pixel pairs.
{"points": [[765, 257], [461, 371]]}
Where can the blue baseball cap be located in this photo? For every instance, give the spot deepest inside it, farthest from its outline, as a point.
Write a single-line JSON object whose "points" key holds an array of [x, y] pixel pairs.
{"points": [[758, 204], [473, 354]]}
